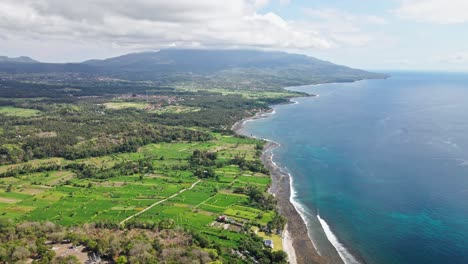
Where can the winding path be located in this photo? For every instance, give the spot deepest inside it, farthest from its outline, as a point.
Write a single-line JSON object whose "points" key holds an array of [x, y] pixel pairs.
{"points": [[158, 202]]}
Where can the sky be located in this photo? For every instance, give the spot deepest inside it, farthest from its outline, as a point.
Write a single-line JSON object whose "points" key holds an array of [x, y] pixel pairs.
{"points": [[367, 34]]}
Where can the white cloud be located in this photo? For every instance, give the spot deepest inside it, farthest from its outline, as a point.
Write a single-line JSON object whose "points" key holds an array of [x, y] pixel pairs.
{"points": [[434, 11], [344, 28], [331, 14], [261, 3], [154, 24], [457, 58]]}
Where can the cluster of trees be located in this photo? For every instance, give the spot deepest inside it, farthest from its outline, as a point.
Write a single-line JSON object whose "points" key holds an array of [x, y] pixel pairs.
{"points": [[83, 170], [74, 123], [206, 173], [131, 140], [202, 164], [203, 158], [142, 246], [145, 243], [28, 169], [85, 134], [252, 165], [259, 198], [218, 112], [82, 127], [30, 86], [277, 224], [252, 246], [30, 240]]}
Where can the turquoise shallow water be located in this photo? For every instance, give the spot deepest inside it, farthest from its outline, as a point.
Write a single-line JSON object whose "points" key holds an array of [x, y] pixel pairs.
{"points": [[384, 163]]}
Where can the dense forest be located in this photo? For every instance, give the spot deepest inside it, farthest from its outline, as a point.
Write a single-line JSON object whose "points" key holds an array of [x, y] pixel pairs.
{"points": [[80, 125]]}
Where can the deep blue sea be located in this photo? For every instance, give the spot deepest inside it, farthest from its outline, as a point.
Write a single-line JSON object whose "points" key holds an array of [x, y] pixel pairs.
{"points": [[384, 163]]}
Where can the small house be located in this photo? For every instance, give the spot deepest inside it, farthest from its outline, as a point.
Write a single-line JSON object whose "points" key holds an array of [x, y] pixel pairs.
{"points": [[268, 243], [222, 218]]}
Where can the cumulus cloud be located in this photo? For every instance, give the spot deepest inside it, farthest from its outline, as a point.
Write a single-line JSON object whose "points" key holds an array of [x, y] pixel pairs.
{"points": [[154, 24], [434, 11]]}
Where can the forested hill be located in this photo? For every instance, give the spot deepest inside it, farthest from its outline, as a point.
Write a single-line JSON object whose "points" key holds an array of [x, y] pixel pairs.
{"points": [[211, 61], [239, 69]]}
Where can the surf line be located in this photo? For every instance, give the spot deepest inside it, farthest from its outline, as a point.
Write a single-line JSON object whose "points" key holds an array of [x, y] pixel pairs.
{"points": [[292, 196], [342, 251]]}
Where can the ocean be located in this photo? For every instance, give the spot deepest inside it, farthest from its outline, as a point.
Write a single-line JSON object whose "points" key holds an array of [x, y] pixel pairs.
{"points": [[379, 167]]}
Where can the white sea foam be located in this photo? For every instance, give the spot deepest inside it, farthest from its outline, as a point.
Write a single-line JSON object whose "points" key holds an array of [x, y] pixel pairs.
{"points": [[450, 143], [344, 254], [293, 194], [342, 251], [300, 209]]}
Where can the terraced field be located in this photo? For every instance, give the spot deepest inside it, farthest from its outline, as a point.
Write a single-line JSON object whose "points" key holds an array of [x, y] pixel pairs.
{"points": [[62, 197]]}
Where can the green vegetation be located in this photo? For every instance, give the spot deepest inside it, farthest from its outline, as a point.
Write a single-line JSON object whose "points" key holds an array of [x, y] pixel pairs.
{"points": [[117, 186], [20, 112], [175, 109], [113, 188], [251, 94], [123, 105], [133, 159], [151, 244], [165, 160], [75, 128]]}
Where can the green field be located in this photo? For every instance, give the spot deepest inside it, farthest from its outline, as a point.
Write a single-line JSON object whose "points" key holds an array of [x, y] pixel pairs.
{"points": [[19, 112], [123, 105], [60, 196], [260, 94], [175, 109], [172, 109]]}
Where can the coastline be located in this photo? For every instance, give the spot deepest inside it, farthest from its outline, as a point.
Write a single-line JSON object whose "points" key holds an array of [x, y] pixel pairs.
{"points": [[302, 249], [296, 241]]}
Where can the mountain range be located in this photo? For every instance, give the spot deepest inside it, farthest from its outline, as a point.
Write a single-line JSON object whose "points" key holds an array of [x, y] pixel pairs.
{"points": [[217, 67], [21, 59]]}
